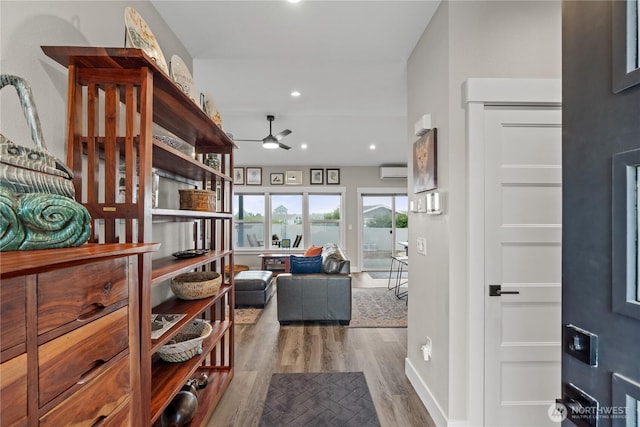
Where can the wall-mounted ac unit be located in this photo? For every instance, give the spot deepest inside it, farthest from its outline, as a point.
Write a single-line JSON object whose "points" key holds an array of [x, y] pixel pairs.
{"points": [[387, 172]]}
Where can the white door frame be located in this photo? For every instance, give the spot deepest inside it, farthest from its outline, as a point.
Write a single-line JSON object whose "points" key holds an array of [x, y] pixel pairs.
{"points": [[476, 94]]}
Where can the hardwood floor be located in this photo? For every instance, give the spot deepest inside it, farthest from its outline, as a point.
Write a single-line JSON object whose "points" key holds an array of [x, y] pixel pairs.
{"points": [[266, 348]]}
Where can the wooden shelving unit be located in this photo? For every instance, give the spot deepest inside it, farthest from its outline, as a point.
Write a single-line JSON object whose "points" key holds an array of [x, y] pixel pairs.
{"points": [[115, 98]]}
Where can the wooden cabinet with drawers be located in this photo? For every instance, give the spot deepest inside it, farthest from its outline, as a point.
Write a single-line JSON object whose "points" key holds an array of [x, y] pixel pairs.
{"points": [[69, 352]]}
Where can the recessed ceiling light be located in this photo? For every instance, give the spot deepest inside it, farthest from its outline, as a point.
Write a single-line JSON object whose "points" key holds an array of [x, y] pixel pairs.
{"points": [[293, 1], [372, 147], [303, 146], [295, 93]]}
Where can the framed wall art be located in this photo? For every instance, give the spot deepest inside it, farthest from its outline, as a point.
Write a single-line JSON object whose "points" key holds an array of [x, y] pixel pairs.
{"points": [[316, 176], [424, 162], [254, 176], [293, 177], [333, 176], [238, 176], [277, 178]]}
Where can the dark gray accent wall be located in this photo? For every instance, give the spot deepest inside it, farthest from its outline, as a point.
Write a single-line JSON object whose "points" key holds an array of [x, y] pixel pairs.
{"points": [[596, 125]]}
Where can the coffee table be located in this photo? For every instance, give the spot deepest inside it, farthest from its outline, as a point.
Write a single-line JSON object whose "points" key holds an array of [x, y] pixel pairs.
{"points": [[276, 263]]}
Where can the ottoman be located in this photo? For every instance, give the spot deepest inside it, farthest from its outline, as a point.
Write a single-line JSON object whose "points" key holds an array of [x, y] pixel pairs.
{"points": [[253, 287]]}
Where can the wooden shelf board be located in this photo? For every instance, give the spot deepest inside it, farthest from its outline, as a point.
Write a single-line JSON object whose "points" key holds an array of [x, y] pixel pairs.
{"points": [[192, 124], [168, 159], [219, 380], [180, 213], [190, 308], [166, 268], [174, 161], [168, 378]]}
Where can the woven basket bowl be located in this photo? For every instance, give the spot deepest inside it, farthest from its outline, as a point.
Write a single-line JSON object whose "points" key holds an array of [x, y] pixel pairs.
{"points": [[187, 343], [196, 285], [198, 200]]}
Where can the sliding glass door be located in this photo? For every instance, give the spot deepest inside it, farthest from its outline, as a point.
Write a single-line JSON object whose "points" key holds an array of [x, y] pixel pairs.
{"points": [[384, 229]]}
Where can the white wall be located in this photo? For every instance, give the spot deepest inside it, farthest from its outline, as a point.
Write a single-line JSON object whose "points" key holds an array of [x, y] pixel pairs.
{"points": [[428, 82], [464, 39], [27, 25]]}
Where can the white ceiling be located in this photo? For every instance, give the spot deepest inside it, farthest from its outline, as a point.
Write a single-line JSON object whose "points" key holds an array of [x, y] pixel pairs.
{"points": [[348, 58]]}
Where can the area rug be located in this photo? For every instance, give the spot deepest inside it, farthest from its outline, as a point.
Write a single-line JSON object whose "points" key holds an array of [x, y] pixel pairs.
{"points": [[385, 275], [377, 308], [319, 399]]}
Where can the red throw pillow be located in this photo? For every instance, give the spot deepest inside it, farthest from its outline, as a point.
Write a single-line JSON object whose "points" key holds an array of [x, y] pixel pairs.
{"points": [[313, 251]]}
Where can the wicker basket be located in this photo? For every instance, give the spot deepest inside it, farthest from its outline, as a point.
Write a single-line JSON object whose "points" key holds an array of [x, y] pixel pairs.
{"points": [[196, 285], [187, 343], [198, 200]]}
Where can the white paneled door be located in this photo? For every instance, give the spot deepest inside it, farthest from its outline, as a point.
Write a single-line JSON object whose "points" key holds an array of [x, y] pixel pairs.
{"points": [[523, 218]]}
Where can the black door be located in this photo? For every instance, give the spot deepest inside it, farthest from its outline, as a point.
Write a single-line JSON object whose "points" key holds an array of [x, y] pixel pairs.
{"points": [[601, 301]]}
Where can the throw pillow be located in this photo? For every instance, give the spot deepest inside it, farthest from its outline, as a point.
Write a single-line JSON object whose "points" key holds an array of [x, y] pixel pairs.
{"points": [[313, 251], [333, 264], [305, 265]]}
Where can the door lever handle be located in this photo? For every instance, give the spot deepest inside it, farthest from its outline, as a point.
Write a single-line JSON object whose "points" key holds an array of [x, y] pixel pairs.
{"points": [[496, 291]]}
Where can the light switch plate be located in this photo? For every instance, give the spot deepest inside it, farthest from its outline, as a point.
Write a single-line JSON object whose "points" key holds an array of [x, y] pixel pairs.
{"points": [[421, 245]]}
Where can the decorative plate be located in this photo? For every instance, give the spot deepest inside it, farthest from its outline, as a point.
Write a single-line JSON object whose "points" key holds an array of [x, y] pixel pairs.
{"points": [[139, 35], [211, 109], [169, 140], [191, 253], [182, 77]]}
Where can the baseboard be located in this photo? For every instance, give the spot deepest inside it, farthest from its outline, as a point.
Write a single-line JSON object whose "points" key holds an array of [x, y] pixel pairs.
{"points": [[427, 398]]}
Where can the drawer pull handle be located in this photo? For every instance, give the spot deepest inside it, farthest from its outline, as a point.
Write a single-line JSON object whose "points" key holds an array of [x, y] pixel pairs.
{"points": [[99, 421], [91, 372], [94, 310], [106, 288]]}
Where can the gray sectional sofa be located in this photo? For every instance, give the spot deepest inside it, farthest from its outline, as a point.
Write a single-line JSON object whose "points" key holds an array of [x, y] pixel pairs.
{"points": [[324, 296]]}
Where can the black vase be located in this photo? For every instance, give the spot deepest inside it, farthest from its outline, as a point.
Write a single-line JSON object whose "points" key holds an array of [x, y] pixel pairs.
{"points": [[183, 407]]}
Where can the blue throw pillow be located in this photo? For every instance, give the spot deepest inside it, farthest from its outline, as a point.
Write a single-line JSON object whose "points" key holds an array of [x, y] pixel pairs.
{"points": [[305, 264]]}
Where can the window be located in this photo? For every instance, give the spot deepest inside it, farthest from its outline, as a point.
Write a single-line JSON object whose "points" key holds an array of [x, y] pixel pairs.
{"points": [[311, 215], [625, 401], [286, 218], [249, 218], [324, 218], [626, 44], [626, 233], [636, 172]]}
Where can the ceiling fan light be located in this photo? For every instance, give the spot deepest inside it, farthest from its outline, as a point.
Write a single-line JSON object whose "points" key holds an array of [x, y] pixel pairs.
{"points": [[270, 142]]}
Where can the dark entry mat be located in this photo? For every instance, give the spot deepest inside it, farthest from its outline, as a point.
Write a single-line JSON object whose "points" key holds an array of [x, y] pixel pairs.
{"points": [[319, 399]]}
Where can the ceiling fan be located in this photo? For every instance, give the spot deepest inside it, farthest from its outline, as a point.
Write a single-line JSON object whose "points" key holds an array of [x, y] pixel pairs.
{"points": [[271, 141]]}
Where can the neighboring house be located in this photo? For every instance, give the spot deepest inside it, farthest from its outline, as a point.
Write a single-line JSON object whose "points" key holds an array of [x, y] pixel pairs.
{"points": [[281, 215], [375, 211], [280, 212]]}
